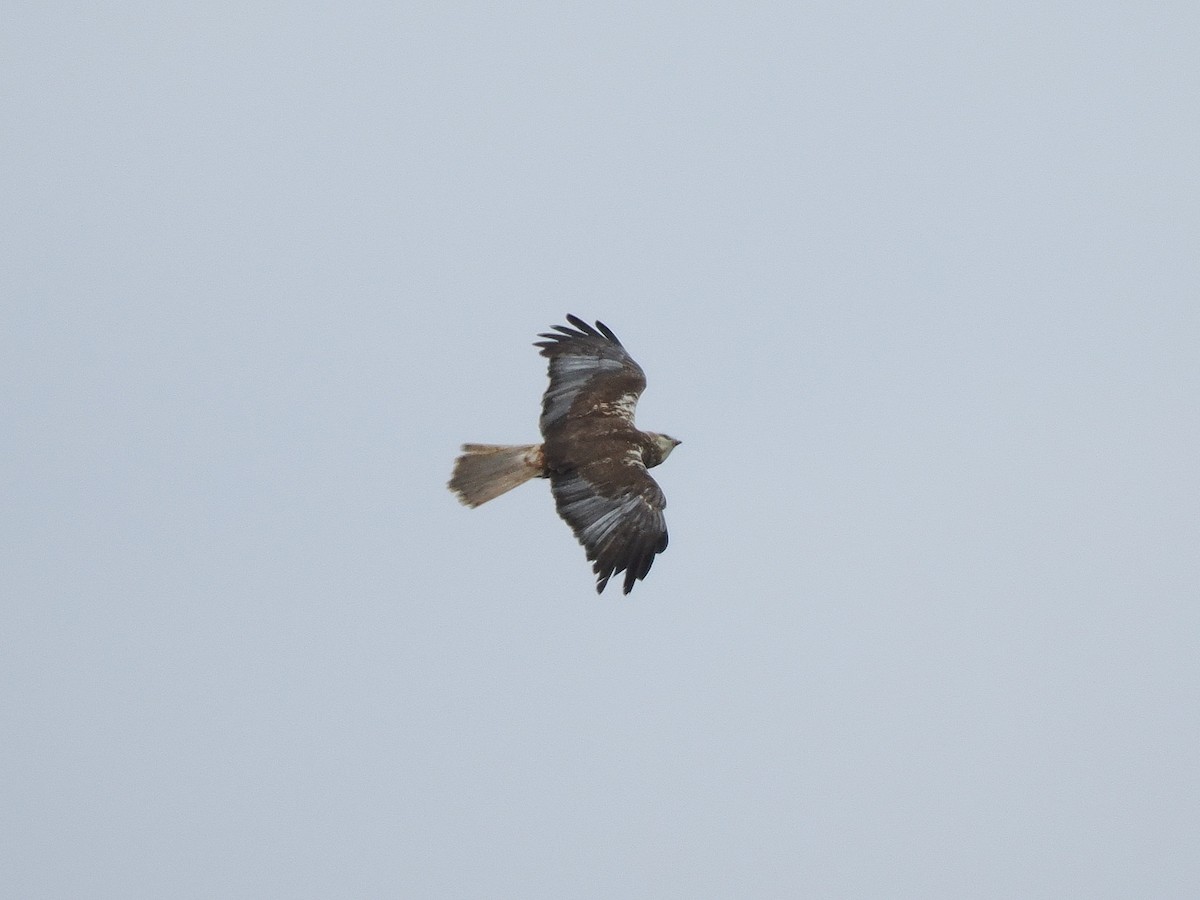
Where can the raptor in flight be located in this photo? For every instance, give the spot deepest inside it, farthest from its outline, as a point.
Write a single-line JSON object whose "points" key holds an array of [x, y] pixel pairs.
{"points": [[594, 456]]}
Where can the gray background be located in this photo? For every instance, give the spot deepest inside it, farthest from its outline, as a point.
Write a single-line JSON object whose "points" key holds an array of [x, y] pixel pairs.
{"points": [[917, 284]]}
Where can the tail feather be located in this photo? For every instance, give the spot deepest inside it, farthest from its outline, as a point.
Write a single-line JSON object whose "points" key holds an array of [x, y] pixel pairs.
{"points": [[485, 471]]}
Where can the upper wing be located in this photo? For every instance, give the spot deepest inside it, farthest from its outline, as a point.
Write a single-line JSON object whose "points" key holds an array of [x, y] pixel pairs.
{"points": [[616, 511], [590, 374]]}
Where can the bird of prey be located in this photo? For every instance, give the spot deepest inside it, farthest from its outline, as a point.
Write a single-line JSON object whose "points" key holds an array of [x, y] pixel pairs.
{"points": [[595, 458]]}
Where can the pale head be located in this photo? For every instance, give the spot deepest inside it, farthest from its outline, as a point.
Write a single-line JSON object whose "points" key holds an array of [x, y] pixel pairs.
{"points": [[665, 444]]}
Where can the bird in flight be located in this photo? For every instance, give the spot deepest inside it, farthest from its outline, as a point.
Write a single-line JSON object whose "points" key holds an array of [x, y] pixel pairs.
{"points": [[595, 458]]}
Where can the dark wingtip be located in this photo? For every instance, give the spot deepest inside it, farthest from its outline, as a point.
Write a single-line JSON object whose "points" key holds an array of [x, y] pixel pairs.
{"points": [[578, 322], [581, 329], [633, 576], [608, 333]]}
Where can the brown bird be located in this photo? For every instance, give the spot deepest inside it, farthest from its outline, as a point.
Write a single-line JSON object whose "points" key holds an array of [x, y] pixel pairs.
{"points": [[595, 458]]}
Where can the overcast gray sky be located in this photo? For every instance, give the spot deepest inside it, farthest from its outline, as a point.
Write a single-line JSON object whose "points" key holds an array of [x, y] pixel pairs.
{"points": [[917, 284]]}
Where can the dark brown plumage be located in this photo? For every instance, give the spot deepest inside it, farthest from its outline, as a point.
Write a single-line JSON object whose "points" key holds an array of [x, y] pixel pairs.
{"points": [[594, 456]]}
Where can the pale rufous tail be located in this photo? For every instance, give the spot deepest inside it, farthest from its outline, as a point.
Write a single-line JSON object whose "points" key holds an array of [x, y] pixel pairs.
{"points": [[485, 471]]}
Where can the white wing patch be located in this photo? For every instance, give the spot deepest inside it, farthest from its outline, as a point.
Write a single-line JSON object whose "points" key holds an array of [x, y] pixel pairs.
{"points": [[623, 407]]}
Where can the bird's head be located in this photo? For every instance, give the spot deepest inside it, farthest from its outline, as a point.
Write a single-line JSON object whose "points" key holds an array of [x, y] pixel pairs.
{"points": [[666, 444]]}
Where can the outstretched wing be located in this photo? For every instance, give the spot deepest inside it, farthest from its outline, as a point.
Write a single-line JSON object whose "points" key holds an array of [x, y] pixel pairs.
{"points": [[616, 511], [593, 453], [591, 375]]}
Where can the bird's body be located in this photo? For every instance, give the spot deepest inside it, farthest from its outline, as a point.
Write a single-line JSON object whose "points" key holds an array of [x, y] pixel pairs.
{"points": [[594, 456]]}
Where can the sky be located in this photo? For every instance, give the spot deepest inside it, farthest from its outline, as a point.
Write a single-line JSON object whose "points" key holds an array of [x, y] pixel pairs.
{"points": [[917, 286]]}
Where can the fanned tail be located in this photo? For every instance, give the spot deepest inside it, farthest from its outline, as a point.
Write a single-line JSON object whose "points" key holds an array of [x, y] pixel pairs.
{"points": [[485, 471]]}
